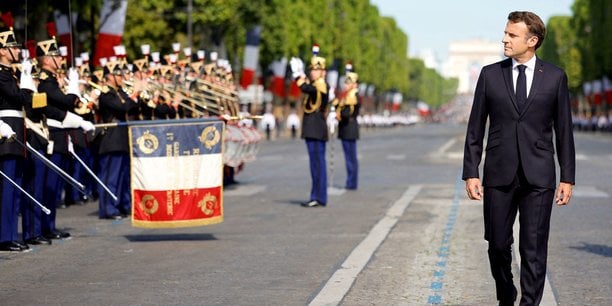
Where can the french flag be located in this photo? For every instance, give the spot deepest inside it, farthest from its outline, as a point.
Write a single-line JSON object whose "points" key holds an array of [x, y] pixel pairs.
{"points": [[279, 69], [62, 26], [177, 174], [251, 57], [112, 21]]}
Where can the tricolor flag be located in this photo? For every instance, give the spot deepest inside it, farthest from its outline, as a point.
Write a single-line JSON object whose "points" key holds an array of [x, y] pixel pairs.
{"points": [[63, 28], [112, 21], [607, 86], [279, 69], [251, 57], [177, 174]]}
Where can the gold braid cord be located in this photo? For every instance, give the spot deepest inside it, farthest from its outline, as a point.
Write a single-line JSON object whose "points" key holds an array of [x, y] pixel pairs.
{"points": [[350, 100], [321, 87]]}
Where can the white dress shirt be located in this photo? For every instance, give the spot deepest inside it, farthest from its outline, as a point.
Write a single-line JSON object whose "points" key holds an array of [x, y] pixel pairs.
{"points": [[528, 72]]}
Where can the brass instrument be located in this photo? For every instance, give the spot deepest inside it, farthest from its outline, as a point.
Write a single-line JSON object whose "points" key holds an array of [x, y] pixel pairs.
{"points": [[188, 96]]}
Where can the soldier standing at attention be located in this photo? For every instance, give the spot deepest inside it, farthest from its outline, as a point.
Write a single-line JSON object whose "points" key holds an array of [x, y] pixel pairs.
{"points": [[12, 156], [114, 149], [50, 61], [314, 126], [348, 129]]}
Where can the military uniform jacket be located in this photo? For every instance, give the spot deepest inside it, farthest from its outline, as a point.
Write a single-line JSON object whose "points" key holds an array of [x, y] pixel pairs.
{"points": [[315, 102], [348, 128], [114, 106], [57, 99], [12, 102]]}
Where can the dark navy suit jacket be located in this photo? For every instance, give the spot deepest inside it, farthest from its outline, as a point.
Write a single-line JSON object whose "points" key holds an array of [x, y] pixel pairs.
{"points": [[520, 138]]}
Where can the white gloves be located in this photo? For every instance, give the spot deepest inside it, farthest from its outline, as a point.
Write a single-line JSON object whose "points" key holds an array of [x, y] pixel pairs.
{"points": [[73, 82], [26, 81], [75, 121], [297, 67], [5, 130], [87, 126], [331, 94], [332, 122]]}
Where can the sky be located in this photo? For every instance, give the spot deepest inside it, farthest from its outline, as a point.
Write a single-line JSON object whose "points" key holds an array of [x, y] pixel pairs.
{"points": [[433, 24]]}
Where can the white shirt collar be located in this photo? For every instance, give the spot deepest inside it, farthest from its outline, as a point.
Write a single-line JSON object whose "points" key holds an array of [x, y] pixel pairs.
{"points": [[530, 63]]}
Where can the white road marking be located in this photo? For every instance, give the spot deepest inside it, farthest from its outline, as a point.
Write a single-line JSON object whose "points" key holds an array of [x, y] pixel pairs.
{"points": [[341, 281]]}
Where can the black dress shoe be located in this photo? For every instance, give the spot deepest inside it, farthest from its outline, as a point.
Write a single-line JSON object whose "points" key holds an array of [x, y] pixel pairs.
{"points": [[9, 247], [57, 235], [114, 217], [24, 247], [38, 240]]}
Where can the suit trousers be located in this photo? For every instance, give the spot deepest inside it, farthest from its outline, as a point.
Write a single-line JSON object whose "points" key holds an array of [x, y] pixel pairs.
{"points": [[534, 205], [318, 169]]}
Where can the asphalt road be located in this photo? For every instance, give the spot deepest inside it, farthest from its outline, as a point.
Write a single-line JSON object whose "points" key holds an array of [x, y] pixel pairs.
{"points": [[407, 236]]}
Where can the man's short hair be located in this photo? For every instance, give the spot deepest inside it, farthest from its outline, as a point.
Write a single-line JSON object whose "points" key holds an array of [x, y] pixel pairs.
{"points": [[535, 25]]}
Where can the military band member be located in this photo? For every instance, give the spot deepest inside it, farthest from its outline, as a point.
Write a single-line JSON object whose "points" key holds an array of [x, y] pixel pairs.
{"points": [[50, 79], [113, 150], [13, 98], [347, 111], [81, 142], [314, 126]]}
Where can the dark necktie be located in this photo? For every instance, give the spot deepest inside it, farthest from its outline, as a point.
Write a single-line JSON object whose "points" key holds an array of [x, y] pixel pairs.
{"points": [[521, 87]]}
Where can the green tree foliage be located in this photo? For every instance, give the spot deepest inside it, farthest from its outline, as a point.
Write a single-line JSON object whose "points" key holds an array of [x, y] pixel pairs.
{"points": [[346, 30], [560, 48], [592, 23]]}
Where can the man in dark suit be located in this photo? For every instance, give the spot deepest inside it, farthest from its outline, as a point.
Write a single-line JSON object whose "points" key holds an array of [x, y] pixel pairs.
{"points": [[525, 100]]}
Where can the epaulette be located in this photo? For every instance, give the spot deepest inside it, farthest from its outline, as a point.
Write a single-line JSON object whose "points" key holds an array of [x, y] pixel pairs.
{"points": [[43, 76]]}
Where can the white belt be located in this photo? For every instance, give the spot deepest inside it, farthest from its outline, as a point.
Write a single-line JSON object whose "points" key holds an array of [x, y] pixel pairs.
{"points": [[54, 123], [11, 113]]}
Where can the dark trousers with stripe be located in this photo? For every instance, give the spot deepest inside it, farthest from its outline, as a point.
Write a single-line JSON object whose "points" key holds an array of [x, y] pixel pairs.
{"points": [[54, 184], [352, 167], [318, 170], [10, 198], [114, 172], [34, 178], [534, 206]]}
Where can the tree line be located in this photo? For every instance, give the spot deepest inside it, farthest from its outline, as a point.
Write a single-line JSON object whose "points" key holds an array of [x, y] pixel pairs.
{"points": [[581, 43], [346, 30]]}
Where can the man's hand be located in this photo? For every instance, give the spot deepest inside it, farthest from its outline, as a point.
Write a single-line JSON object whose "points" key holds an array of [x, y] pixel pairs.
{"points": [[73, 82], [564, 193], [474, 189], [5, 130], [26, 81], [297, 67]]}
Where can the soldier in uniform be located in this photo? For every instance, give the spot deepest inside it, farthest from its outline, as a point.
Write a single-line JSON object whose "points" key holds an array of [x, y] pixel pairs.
{"points": [[113, 150], [13, 98], [347, 110], [50, 61], [81, 144], [314, 126]]}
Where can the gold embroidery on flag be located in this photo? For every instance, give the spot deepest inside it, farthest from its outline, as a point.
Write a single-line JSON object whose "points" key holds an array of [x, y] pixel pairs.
{"points": [[210, 136], [149, 204], [208, 204], [147, 143]]}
